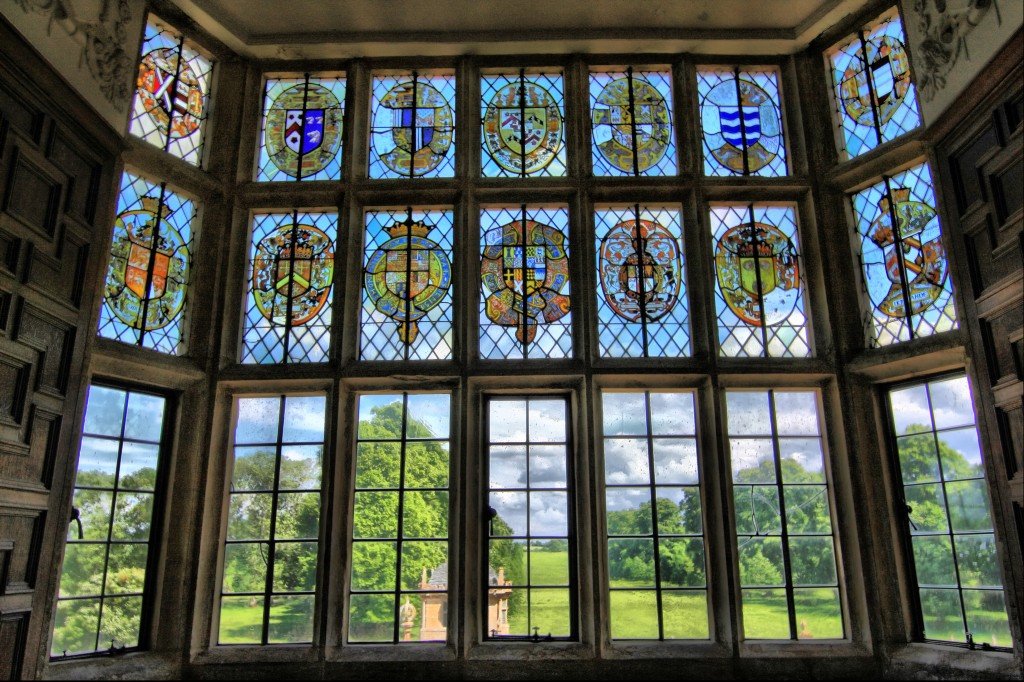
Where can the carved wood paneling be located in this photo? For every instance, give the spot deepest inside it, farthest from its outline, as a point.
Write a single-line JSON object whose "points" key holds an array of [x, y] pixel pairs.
{"points": [[56, 180]]}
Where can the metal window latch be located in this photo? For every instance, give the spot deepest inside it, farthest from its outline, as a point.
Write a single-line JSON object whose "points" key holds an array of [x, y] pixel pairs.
{"points": [[492, 514], [910, 510], [76, 516]]}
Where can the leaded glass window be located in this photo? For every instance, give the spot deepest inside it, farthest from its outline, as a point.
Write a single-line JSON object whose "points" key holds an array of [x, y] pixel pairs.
{"points": [[523, 124], [631, 117], [407, 285], [524, 274], [108, 565], [906, 272], [268, 588], [172, 94], [530, 548], [741, 120], [759, 282], [784, 536], [412, 127], [399, 560], [953, 547], [642, 308], [653, 516], [291, 274], [302, 128], [873, 91], [150, 266]]}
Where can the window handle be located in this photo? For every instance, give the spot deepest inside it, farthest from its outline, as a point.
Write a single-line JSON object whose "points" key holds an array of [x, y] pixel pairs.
{"points": [[492, 513], [76, 516], [910, 510]]}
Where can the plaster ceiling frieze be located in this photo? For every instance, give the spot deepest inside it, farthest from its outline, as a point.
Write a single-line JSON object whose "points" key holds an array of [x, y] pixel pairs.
{"points": [[101, 29], [944, 26]]}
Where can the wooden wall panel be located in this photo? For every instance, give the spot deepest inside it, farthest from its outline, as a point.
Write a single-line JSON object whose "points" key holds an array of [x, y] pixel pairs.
{"points": [[56, 177]]}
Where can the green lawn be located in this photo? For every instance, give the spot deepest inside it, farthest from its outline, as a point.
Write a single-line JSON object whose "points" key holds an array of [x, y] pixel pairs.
{"points": [[291, 620]]}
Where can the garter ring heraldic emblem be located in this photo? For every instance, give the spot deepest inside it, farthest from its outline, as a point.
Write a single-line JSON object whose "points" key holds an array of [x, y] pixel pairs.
{"points": [[292, 274], [758, 273], [887, 66], [640, 270], [616, 123], [303, 122], [524, 270], [407, 276], [170, 92], [421, 127], [523, 128], [923, 259], [148, 274], [751, 122]]}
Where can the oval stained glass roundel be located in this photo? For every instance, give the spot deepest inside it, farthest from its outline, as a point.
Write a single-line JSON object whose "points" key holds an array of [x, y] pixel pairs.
{"points": [[304, 123], [420, 122], [523, 128], [630, 116], [170, 92]]}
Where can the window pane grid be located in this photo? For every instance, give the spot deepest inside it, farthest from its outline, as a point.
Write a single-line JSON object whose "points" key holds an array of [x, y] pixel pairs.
{"points": [[522, 115], [398, 588], [104, 573], [530, 586], [652, 553], [784, 531], [171, 101], [741, 120], [525, 301], [631, 122], [952, 545], [271, 547], [302, 128], [150, 267], [412, 131]]}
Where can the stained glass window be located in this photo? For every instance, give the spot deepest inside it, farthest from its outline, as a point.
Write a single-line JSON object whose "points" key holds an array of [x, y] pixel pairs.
{"points": [[758, 281], [412, 131], [631, 114], [529, 542], [785, 547], [960, 591], [905, 268], [523, 124], [524, 271], [741, 118], [653, 515], [399, 560], [150, 265], [172, 94], [291, 272], [268, 589], [642, 309], [107, 561], [407, 285], [873, 92], [302, 127]]}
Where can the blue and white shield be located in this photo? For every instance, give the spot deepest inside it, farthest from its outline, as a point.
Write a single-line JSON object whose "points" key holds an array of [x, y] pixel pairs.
{"points": [[311, 136], [422, 127], [733, 131]]}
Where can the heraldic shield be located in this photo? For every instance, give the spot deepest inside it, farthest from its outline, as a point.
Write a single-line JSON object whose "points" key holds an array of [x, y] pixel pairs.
{"points": [[524, 270], [738, 113], [914, 246], [148, 274], [292, 274], [888, 66], [616, 123], [407, 276], [420, 122], [523, 127], [758, 273], [304, 122], [640, 270], [170, 92]]}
